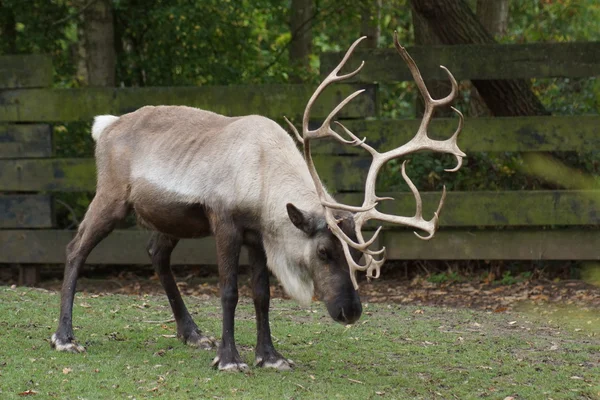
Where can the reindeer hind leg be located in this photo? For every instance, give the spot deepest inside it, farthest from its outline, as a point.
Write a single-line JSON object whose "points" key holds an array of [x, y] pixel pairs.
{"points": [[100, 219]]}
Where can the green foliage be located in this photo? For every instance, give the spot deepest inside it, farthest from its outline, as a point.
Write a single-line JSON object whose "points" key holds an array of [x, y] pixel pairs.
{"points": [[444, 277], [41, 26]]}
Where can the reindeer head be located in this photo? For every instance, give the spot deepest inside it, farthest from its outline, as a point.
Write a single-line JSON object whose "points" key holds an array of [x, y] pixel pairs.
{"points": [[346, 222]]}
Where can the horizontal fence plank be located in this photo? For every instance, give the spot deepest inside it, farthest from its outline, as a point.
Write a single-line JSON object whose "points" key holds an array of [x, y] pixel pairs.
{"points": [[490, 61], [508, 208], [523, 134], [22, 141], [275, 101], [341, 174], [52, 174], [128, 247], [25, 211], [79, 174], [120, 247], [25, 71], [568, 244]]}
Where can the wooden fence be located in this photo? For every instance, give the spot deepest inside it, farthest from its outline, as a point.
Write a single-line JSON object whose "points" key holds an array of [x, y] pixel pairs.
{"points": [[29, 174]]}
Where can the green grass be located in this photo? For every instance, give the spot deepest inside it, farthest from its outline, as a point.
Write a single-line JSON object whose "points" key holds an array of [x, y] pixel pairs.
{"points": [[394, 352]]}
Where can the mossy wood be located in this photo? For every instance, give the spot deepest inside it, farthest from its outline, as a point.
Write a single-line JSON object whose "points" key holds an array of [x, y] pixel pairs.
{"points": [[490, 61], [22, 141], [522, 134], [79, 174], [128, 246], [339, 173], [51, 105], [120, 247], [26, 211], [506, 208], [567, 244], [25, 71]]}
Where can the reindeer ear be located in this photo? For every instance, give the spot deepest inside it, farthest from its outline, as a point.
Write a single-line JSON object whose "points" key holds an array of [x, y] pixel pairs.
{"points": [[301, 219]]}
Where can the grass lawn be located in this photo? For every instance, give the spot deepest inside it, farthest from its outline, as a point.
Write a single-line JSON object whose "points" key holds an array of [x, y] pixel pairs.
{"points": [[394, 352]]}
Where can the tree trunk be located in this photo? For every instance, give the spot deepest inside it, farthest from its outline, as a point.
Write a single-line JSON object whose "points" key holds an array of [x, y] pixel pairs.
{"points": [[8, 29], [369, 25], [96, 46], [438, 89], [301, 28], [493, 15], [454, 23]]}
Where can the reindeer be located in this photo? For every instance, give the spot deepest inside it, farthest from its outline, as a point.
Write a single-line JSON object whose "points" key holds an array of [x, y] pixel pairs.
{"points": [[189, 173]]}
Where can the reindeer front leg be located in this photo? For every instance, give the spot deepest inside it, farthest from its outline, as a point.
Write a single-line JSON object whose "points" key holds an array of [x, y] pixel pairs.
{"points": [[266, 355], [229, 243]]}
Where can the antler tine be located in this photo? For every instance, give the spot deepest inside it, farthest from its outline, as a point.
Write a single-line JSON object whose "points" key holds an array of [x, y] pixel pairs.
{"points": [[414, 70], [293, 128], [454, 140], [325, 128], [453, 92], [414, 190], [332, 77], [356, 141]]}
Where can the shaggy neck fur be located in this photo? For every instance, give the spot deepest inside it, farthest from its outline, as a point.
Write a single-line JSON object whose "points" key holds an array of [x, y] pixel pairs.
{"points": [[288, 248]]}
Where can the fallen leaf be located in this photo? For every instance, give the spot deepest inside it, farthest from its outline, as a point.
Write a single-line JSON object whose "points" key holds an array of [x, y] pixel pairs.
{"points": [[67, 370], [509, 398], [577, 377], [380, 393], [355, 381], [512, 322], [28, 392]]}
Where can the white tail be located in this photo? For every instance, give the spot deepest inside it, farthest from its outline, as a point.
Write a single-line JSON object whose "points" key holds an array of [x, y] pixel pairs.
{"points": [[101, 122]]}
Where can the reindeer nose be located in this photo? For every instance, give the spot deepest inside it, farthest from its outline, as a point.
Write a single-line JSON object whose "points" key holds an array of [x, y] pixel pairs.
{"points": [[349, 313]]}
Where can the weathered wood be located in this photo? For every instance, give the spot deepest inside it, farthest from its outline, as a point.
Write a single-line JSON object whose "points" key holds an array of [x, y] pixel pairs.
{"points": [[120, 247], [29, 275], [522, 134], [128, 247], [25, 71], [571, 244], [20, 141], [509, 208], [486, 61], [73, 174], [273, 101], [339, 173], [25, 211], [79, 174]]}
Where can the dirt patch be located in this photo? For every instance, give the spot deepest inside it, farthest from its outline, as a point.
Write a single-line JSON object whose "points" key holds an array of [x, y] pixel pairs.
{"points": [[472, 293]]}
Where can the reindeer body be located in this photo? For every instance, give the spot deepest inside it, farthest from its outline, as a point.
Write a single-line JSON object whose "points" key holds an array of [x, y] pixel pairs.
{"points": [[184, 167]]}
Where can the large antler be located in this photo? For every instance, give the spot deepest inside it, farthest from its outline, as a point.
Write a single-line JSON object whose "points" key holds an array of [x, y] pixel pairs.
{"points": [[421, 141]]}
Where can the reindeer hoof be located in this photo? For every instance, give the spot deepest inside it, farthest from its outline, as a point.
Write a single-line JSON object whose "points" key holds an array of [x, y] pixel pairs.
{"points": [[198, 340], [65, 345], [279, 363], [233, 366]]}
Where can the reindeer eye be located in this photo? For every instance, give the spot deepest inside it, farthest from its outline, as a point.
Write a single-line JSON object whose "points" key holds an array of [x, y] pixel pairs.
{"points": [[322, 252]]}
